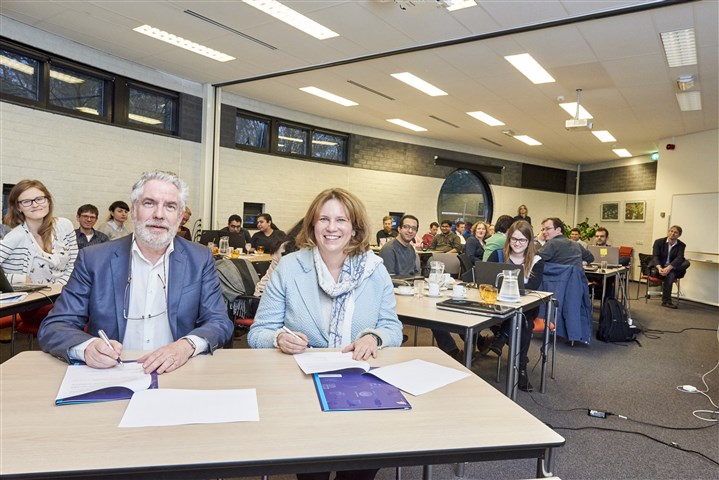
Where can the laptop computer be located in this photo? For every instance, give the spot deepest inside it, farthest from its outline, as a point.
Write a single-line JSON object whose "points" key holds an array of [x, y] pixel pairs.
{"points": [[473, 308], [605, 254], [7, 287], [486, 272], [237, 239], [208, 236]]}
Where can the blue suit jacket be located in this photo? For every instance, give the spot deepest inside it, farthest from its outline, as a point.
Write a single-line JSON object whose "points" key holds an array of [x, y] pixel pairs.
{"points": [[94, 296], [569, 285]]}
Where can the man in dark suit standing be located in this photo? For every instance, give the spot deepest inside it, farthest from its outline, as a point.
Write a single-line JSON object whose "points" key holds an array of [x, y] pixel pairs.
{"points": [[148, 291], [668, 258]]}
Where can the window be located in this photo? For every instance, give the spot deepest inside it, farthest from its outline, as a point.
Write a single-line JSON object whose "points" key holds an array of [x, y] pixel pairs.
{"points": [[250, 212], [292, 140], [19, 75], [464, 195], [77, 91], [329, 146], [152, 109], [253, 132]]}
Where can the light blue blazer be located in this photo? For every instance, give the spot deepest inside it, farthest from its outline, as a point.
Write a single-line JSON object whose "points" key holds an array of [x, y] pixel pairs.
{"points": [[292, 299]]}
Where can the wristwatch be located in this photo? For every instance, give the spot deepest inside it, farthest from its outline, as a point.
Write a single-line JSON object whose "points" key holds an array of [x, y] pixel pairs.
{"points": [[377, 338], [192, 344]]}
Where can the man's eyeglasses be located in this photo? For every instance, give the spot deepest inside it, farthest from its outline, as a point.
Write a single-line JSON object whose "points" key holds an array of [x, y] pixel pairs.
{"points": [[546, 229], [411, 228], [42, 200], [88, 217], [519, 241]]}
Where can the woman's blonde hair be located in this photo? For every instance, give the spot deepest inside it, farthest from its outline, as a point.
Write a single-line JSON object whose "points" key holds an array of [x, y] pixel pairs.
{"points": [[486, 229], [15, 217], [356, 213], [526, 230]]}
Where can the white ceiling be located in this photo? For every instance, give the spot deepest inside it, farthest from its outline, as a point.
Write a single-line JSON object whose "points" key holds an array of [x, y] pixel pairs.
{"points": [[617, 61]]}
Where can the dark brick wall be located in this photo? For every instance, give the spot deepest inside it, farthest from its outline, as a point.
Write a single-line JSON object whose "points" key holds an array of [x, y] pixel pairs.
{"points": [[190, 118], [620, 179], [228, 119]]}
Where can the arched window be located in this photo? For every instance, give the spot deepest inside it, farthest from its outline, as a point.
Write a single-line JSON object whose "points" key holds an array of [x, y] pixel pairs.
{"points": [[465, 195]]}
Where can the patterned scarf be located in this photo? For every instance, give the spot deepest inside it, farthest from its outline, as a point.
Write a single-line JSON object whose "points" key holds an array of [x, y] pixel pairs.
{"points": [[354, 271]]}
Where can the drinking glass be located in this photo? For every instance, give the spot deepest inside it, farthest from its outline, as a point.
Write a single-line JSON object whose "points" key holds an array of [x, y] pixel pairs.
{"points": [[490, 295], [418, 288], [235, 253], [224, 245], [260, 249]]}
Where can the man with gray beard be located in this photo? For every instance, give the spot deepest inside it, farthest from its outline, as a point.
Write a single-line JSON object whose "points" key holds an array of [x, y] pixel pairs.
{"points": [[148, 291]]}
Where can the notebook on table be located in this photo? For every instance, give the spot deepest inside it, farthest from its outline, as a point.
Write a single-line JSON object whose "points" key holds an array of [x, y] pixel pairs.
{"points": [[605, 254], [473, 308], [354, 389], [7, 287]]}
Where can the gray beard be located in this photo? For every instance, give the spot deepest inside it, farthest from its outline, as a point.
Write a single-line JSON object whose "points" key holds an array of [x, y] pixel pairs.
{"points": [[153, 241]]}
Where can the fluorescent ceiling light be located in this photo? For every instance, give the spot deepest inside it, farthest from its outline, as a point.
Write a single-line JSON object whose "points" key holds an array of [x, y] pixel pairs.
{"points": [[183, 43], [530, 68], [402, 123], [527, 139], [571, 108], [143, 119], [87, 110], [15, 65], [604, 136], [329, 96], [689, 101], [453, 5], [292, 18], [622, 152], [680, 47], [324, 142], [64, 77], [419, 84], [291, 139], [483, 117]]}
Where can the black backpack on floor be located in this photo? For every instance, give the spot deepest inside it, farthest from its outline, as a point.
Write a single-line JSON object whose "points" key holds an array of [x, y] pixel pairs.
{"points": [[614, 323]]}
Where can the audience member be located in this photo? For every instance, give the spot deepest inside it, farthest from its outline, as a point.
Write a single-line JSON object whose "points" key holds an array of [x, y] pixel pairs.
{"points": [[429, 236], [268, 237], [86, 235], [183, 231], [497, 240], [387, 233], [115, 226], [459, 230], [519, 250], [560, 249], [234, 225], [668, 258], [576, 235], [522, 214], [474, 247], [540, 239], [398, 255], [288, 246], [490, 230], [172, 303], [601, 237], [446, 241]]}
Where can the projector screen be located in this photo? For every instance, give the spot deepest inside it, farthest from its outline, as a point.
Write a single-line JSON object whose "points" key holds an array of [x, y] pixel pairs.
{"points": [[698, 216]]}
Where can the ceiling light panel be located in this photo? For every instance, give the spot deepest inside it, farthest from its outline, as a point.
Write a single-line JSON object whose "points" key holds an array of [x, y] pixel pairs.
{"points": [[329, 96], [604, 136], [622, 152], [689, 101], [680, 47], [528, 140], [530, 68], [183, 43], [571, 108], [419, 84], [405, 124], [292, 18], [454, 5], [488, 119]]}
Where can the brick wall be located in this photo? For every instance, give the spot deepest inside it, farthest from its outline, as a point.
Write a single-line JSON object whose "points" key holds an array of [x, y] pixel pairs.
{"points": [[630, 178]]}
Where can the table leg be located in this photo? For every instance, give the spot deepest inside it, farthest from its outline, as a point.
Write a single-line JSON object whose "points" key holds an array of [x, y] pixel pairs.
{"points": [[545, 464], [549, 318], [427, 472], [604, 291], [468, 347], [459, 469], [12, 334], [514, 342]]}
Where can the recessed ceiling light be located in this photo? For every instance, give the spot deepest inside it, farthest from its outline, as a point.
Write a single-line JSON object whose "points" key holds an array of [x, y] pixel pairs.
{"points": [[680, 47], [689, 101], [530, 68], [183, 43], [15, 65], [488, 119], [604, 136], [329, 96], [405, 124], [527, 139], [453, 5], [622, 152], [571, 108], [292, 18], [419, 84]]}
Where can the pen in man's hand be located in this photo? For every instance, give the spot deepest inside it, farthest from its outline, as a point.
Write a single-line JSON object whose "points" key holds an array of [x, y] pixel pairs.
{"points": [[104, 338], [294, 335]]}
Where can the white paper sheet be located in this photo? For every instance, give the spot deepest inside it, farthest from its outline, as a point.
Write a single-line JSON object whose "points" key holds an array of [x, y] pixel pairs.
{"points": [[162, 407], [12, 297], [80, 379], [418, 376], [318, 362]]}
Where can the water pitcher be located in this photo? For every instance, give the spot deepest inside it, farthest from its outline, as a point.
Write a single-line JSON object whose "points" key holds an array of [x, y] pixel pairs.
{"points": [[510, 286]]}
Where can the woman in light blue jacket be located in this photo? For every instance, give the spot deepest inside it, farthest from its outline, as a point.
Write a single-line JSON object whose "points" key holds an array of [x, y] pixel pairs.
{"points": [[334, 292]]}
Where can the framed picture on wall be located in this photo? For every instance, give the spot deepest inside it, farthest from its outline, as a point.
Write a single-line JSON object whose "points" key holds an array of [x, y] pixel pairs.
{"points": [[635, 211], [609, 211]]}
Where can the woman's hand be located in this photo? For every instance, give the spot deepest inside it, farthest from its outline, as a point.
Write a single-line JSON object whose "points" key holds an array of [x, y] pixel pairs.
{"points": [[292, 344], [362, 348]]}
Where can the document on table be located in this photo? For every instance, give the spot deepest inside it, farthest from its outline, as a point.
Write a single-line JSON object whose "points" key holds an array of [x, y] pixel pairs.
{"points": [[418, 376], [12, 297], [83, 384], [318, 362], [159, 408]]}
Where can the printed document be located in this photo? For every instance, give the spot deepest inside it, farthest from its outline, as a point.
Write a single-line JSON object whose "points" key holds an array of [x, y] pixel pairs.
{"points": [[318, 362]]}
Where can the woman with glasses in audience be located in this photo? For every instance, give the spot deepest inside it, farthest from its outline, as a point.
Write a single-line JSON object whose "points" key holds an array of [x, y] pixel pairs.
{"points": [[40, 248], [519, 249], [333, 292], [115, 227], [474, 247]]}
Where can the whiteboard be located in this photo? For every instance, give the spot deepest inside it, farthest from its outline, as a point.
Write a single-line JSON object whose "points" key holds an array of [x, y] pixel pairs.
{"points": [[698, 215]]}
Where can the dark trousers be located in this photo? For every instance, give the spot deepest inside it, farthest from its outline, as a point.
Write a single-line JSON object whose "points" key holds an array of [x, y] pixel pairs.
{"points": [[445, 342], [527, 326], [343, 475], [669, 279]]}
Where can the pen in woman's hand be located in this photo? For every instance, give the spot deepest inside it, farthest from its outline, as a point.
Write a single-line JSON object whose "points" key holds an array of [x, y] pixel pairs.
{"points": [[287, 330], [104, 338]]}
